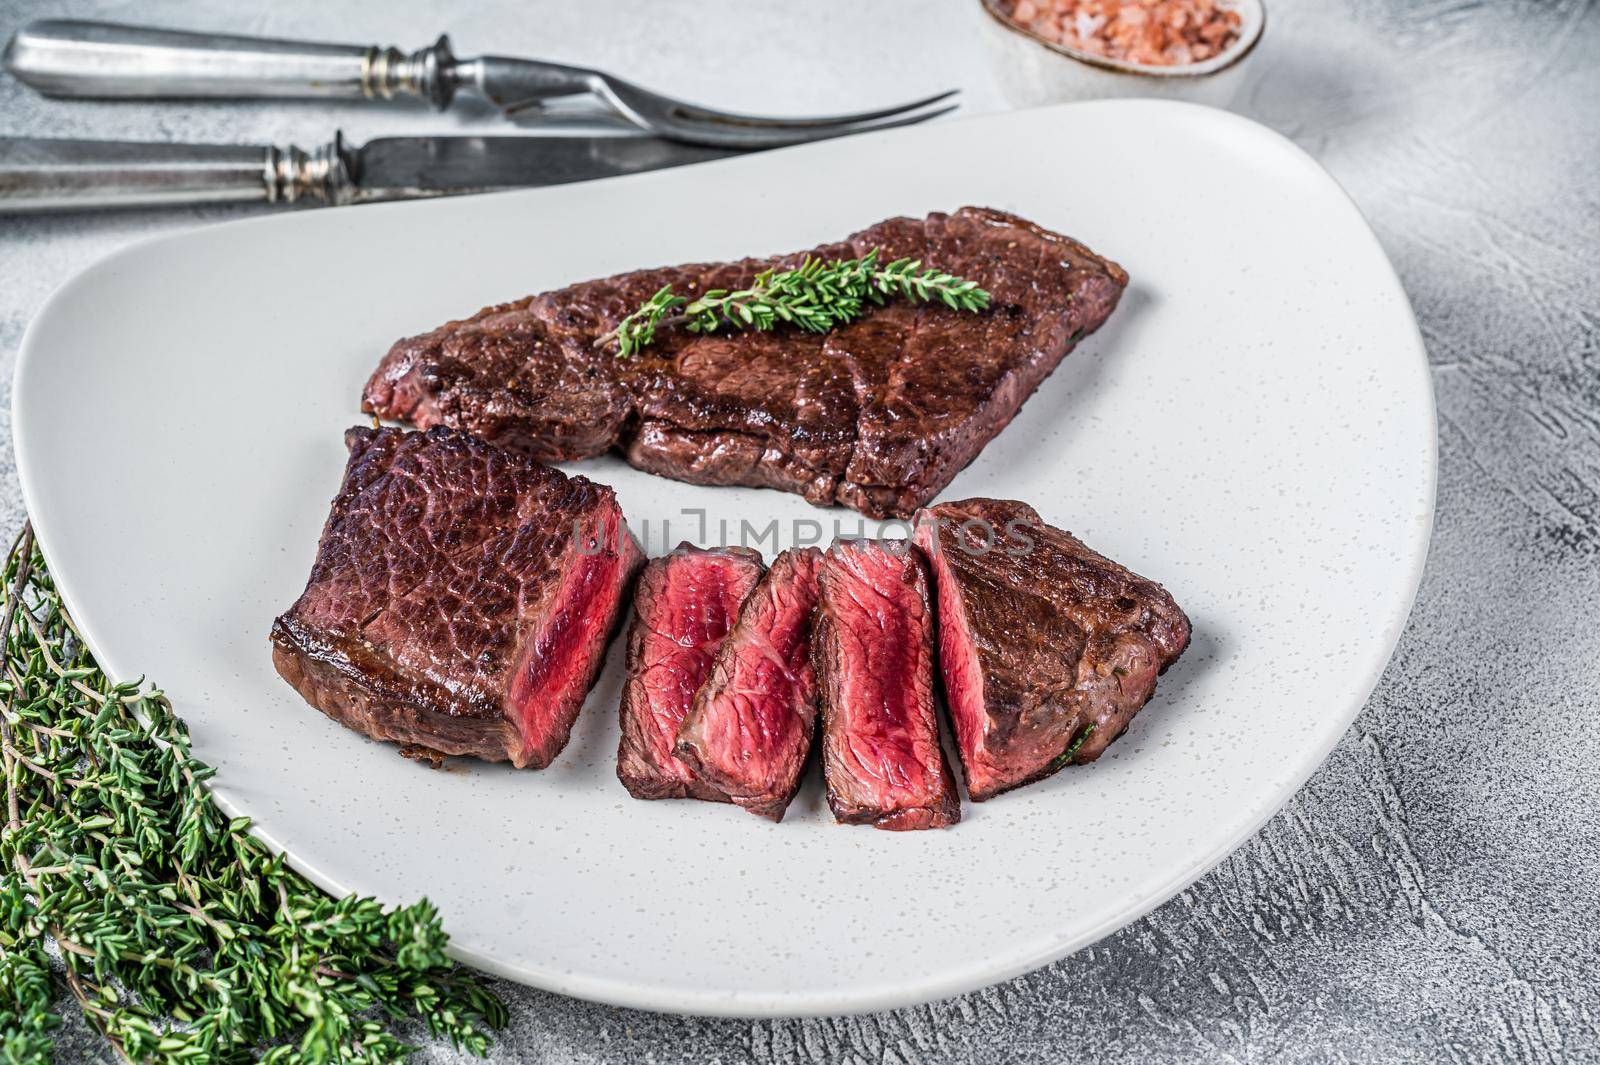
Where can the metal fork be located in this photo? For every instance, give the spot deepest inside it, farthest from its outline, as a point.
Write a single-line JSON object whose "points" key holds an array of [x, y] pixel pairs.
{"points": [[71, 58]]}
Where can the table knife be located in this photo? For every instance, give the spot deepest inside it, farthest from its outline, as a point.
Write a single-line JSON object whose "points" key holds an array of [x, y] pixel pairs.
{"points": [[45, 175]]}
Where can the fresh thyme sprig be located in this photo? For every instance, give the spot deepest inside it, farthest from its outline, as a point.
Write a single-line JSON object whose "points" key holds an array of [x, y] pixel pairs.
{"points": [[1066, 756], [816, 296], [181, 939]]}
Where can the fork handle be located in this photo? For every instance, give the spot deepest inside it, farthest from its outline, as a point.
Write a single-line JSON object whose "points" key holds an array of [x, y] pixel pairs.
{"points": [[76, 59]]}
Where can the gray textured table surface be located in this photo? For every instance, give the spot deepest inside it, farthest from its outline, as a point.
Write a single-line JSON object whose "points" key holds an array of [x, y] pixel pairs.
{"points": [[1434, 891]]}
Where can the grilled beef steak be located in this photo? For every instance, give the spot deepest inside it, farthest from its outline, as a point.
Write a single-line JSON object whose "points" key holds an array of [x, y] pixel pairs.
{"points": [[878, 415], [1047, 649], [750, 730], [461, 598], [683, 606], [873, 648]]}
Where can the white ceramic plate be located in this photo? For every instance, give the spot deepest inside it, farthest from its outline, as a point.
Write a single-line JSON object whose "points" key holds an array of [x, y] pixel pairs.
{"points": [[1254, 428]]}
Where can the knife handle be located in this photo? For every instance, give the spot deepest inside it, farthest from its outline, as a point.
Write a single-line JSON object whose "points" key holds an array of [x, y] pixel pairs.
{"points": [[76, 59], [56, 175]]}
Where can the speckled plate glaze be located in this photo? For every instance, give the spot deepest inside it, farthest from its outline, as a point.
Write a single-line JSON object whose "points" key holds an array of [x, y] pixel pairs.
{"points": [[1254, 428]]}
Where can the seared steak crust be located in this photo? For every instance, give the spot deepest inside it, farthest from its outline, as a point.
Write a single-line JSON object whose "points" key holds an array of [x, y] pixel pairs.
{"points": [[873, 645], [878, 415], [683, 605], [461, 598], [1046, 648]]}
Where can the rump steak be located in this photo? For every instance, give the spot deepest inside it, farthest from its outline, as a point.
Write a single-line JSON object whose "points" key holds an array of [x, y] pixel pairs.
{"points": [[751, 727], [873, 647], [878, 415], [461, 598], [1047, 649], [683, 605]]}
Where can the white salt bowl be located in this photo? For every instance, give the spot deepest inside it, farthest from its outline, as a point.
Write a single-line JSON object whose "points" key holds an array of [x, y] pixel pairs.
{"points": [[1033, 71]]}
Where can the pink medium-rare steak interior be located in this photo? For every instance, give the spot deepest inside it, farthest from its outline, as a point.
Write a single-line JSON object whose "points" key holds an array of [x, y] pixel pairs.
{"points": [[461, 597], [1047, 649], [562, 652], [878, 415], [683, 605], [961, 673], [881, 756], [750, 730]]}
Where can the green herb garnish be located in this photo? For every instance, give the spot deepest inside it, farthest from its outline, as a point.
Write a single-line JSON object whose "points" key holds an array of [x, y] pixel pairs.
{"points": [[1066, 756], [180, 937], [817, 296]]}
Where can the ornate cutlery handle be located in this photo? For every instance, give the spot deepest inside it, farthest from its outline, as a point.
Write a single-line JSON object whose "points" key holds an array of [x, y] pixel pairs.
{"points": [[54, 175], [71, 58]]}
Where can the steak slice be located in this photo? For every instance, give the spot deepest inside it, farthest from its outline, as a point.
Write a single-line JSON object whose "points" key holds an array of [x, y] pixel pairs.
{"points": [[881, 756], [750, 730], [878, 415], [461, 598], [683, 605], [1047, 649]]}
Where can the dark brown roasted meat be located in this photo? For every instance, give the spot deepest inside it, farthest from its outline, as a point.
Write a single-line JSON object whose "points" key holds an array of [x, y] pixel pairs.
{"points": [[461, 598], [683, 606], [1047, 649], [878, 415], [873, 646], [751, 727]]}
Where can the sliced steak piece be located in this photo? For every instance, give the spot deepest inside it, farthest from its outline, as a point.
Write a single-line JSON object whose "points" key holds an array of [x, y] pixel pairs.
{"points": [[1047, 649], [878, 415], [683, 606], [461, 598], [750, 730], [881, 756]]}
